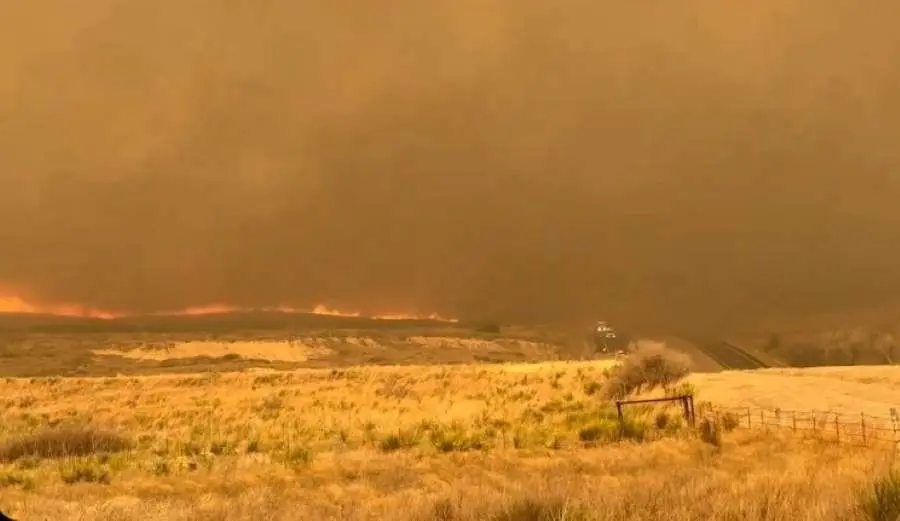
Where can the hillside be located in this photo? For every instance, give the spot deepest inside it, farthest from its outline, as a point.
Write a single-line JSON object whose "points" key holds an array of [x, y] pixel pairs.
{"points": [[43, 345]]}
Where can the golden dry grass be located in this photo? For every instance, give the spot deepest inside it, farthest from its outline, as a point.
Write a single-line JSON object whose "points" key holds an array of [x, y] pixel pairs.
{"points": [[407, 443], [870, 389]]}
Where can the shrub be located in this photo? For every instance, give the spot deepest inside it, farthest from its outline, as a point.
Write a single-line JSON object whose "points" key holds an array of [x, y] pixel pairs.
{"points": [[730, 421], [710, 433], [649, 367], [403, 439], [881, 501], [63, 442], [592, 388], [299, 456], [521, 509], [600, 431], [662, 420], [633, 430], [540, 510], [457, 438], [11, 479], [607, 430], [84, 471]]}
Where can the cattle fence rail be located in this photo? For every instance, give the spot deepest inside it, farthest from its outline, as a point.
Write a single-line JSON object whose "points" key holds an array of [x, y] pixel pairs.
{"points": [[857, 428]]}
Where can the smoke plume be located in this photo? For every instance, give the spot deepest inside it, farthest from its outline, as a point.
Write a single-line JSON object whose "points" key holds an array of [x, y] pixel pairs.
{"points": [[512, 159]]}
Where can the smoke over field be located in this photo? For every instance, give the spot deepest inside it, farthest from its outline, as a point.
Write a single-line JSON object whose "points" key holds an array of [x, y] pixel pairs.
{"points": [[519, 160]]}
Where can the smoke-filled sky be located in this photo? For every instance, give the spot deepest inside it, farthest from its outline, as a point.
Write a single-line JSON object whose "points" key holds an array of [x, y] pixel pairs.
{"points": [[513, 159]]}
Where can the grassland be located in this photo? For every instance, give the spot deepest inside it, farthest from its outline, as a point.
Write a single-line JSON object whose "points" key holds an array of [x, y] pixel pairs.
{"points": [[403, 423], [476, 441]]}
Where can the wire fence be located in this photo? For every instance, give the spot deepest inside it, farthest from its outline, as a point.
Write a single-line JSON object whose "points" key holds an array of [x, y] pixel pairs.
{"points": [[841, 427]]}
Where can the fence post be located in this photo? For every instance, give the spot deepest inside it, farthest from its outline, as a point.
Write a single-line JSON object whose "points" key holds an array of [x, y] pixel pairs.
{"points": [[619, 411], [689, 415], [814, 421], [862, 425], [837, 426], [894, 423], [794, 420], [748, 418], [762, 419]]}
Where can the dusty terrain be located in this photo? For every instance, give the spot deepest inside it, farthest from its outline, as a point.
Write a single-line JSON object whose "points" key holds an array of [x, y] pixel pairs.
{"points": [[37, 346], [498, 442]]}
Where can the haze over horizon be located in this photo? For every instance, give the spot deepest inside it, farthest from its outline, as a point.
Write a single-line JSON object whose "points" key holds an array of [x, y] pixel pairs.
{"points": [[518, 160]]}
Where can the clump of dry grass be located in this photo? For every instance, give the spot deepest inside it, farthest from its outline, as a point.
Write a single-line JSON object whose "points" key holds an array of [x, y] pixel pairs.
{"points": [[519, 509], [650, 366], [62, 442]]}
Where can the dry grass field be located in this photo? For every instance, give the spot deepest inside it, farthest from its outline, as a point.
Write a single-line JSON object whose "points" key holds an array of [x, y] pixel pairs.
{"points": [[512, 442], [868, 389]]}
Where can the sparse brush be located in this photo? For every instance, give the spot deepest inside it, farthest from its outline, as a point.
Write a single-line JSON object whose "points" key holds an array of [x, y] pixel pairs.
{"points": [[300, 456], [403, 439], [84, 471], [729, 421], [13, 479], [62, 442], [592, 388], [662, 420], [881, 500], [540, 510], [521, 509], [456, 438], [710, 433]]}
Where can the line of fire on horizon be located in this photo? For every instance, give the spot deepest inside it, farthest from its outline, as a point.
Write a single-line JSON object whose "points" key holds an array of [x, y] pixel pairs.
{"points": [[20, 305]]}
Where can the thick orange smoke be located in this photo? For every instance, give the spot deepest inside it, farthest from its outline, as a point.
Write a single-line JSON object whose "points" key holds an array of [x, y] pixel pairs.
{"points": [[10, 304], [663, 163]]}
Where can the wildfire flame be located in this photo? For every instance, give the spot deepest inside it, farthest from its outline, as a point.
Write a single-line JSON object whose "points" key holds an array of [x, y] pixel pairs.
{"points": [[20, 305]]}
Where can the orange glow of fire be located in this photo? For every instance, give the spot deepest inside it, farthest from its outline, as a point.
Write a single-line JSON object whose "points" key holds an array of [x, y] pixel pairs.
{"points": [[20, 305], [325, 310], [406, 316]]}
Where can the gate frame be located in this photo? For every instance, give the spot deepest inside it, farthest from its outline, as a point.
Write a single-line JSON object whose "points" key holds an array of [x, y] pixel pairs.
{"points": [[687, 405]]}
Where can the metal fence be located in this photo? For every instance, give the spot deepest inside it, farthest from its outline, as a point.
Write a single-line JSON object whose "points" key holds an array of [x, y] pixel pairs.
{"points": [[841, 427]]}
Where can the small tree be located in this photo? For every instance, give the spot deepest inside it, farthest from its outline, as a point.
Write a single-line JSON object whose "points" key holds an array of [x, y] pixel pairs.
{"points": [[649, 366]]}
